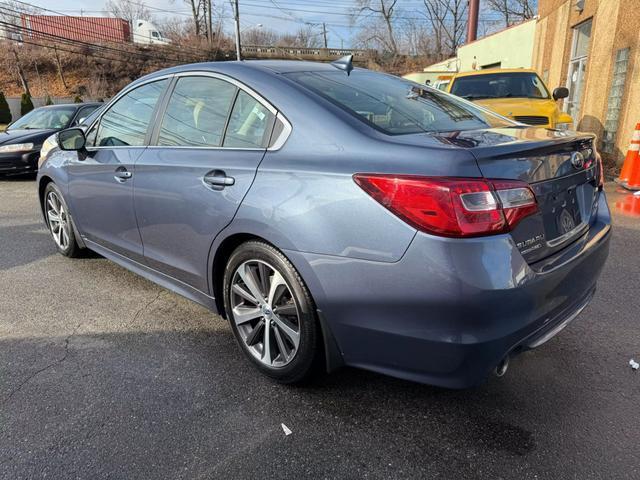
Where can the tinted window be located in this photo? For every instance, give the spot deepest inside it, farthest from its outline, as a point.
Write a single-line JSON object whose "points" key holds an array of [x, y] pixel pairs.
{"points": [[126, 122], [197, 112], [500, 85], [249, 122], [83, 113], [395, 105]]}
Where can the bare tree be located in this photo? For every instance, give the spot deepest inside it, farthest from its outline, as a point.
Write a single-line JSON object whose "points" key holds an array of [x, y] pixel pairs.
{"points": [[304, 37], [128, 10], [383, 12], [260, 36], [513, 11], [448, 21], [202, 14]]}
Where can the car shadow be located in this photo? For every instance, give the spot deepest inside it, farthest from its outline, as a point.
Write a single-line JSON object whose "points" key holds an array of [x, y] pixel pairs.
{"points": [[31, 242]]}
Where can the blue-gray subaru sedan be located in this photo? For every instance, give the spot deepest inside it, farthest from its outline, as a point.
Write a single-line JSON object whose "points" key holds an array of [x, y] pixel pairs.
{"points": [[337, 217]]}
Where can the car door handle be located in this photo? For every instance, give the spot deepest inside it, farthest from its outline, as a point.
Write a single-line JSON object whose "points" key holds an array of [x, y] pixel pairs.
{"points": [[122, 174], [217, 180]]}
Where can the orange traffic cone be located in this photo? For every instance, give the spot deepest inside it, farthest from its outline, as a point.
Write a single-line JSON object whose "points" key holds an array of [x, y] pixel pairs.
{"points": [[634, 178], [632, 157]]}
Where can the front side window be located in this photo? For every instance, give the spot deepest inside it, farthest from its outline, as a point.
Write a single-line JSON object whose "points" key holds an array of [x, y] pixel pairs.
{"points": [[45, 118], [248, 124], [395, 105], [500, 85], [83, 113], [126, 122], [197, 112]]}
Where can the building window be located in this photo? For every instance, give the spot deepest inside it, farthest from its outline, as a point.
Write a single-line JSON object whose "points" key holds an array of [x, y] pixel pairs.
{"points": [[578, 68], [615, 100]]}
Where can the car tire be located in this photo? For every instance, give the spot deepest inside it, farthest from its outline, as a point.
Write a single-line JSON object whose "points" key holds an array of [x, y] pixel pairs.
{"points": [[262, 290], [59, 222]]}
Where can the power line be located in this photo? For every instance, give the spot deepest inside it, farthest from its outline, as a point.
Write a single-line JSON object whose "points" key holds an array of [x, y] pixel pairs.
{"points": [[174, 49], [65, 40]]}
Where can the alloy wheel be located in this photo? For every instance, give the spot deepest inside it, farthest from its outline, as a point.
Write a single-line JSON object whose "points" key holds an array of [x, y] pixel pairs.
{"points": [[265, 313], [58, 221]]}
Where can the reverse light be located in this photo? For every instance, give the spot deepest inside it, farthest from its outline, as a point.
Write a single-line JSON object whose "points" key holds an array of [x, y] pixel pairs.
{"points": [[452, 207], [16, 147]]}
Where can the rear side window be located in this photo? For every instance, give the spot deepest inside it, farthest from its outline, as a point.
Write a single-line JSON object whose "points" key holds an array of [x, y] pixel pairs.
{"points": [[249, 123], [197, 112], [126, 122], [395, 105]]}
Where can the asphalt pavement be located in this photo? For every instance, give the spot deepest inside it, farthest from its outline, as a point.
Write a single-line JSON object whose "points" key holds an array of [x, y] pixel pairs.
{"points": [[106, 375]]}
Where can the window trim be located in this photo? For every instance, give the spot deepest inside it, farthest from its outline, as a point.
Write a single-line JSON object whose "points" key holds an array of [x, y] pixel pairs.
{"points": [[114, 100], [161, 105], [271, 145]]}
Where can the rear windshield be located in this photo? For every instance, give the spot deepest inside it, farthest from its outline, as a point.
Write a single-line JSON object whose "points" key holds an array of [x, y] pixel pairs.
{"points": [[395, 105], [500, 85]]}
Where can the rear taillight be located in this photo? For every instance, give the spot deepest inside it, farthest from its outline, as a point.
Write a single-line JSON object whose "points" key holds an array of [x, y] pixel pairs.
{"points": [[452, 207]]}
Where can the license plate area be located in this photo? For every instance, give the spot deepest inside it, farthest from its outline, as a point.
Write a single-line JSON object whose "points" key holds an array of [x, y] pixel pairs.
{"points": [[562, 211]]}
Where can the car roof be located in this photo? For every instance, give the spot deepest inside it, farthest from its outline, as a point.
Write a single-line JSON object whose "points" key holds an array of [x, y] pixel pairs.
{"points": [[489, 71], [82, 104], [272, 67]]}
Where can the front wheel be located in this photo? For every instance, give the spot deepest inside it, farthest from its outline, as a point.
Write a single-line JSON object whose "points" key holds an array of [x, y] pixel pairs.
{"points": [[271, 312], [59, 222]]}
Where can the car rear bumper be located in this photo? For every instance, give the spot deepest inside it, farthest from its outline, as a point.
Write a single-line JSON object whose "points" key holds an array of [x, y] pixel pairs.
{"points": [[450, 310]]}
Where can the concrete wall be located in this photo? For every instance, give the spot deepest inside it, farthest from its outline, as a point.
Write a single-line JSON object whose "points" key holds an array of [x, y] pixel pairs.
{"points": [[616, 25], [511, 48]]}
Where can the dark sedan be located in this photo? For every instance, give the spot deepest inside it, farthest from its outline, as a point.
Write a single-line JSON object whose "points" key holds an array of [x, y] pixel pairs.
{"points": [[20, 143]]}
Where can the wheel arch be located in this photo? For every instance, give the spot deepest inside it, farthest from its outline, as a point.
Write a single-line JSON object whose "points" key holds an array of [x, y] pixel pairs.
{"points": [[42, 185], [333, 357]]}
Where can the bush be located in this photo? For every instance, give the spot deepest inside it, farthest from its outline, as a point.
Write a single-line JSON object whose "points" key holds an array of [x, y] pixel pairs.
{"points": [[26, 105], [78, 99], [5, 112], [48, 101]]}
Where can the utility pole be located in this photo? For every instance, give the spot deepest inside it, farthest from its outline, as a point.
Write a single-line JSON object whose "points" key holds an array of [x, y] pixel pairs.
{"points": [[472, 22], [324, 34], [237, 18], [210, 21]]}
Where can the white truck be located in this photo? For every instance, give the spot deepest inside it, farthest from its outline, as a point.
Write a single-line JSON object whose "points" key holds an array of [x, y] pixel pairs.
{"points": [[146, 33]]}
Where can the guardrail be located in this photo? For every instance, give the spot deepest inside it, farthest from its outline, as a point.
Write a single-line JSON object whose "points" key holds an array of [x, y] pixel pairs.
{"points": [[257, 51]]}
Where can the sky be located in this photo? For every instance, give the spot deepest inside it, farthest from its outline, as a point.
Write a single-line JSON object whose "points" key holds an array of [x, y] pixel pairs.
{"points": [[279, 15]]}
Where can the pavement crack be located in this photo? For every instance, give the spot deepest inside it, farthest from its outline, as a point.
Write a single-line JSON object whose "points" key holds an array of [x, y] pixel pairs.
{"points": [[43, 369], [144, 307]]}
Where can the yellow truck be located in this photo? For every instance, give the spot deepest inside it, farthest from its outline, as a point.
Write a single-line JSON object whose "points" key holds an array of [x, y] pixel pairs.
{"points": [[519, 94]]}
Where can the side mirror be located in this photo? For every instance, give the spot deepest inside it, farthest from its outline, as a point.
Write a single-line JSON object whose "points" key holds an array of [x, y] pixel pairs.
{"points": [[71, 139], [560, 92]]}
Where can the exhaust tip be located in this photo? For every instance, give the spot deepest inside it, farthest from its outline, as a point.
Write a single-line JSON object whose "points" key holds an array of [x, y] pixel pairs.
{"points": [[502, 367]]}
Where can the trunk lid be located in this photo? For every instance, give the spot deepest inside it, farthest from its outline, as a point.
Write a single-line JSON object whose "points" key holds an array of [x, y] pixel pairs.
{"points": [[561, 169]]}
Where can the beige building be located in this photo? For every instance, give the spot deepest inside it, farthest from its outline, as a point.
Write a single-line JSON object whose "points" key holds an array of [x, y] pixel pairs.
{"points": [[508, 48], [592, 47]]}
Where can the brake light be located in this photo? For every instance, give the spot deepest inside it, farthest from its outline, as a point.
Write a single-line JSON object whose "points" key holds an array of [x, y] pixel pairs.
{"points": [[452, 207]]}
